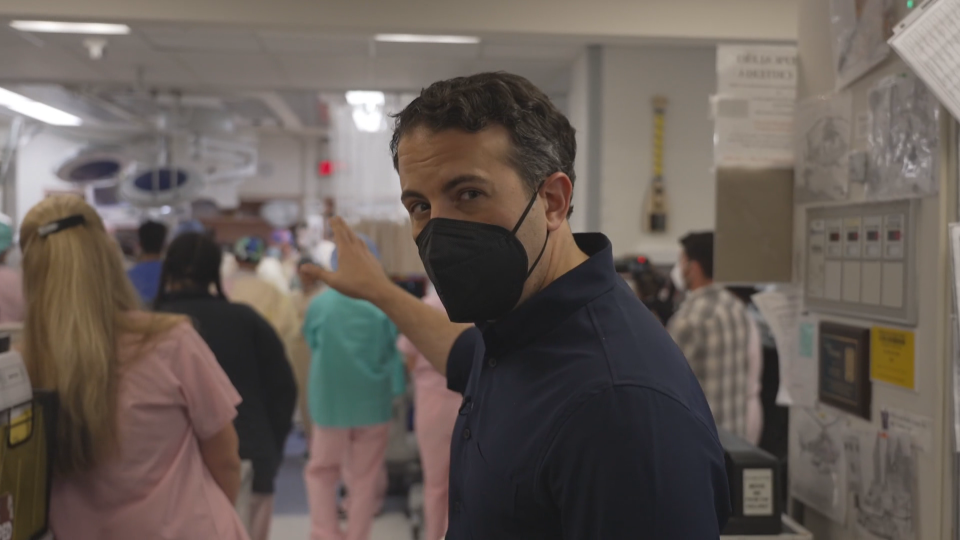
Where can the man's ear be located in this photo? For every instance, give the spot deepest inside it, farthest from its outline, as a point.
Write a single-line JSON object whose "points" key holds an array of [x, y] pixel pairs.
{"points": [[557, 194]]}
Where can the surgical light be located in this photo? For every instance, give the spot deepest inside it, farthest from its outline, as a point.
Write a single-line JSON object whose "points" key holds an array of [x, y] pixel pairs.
{"points": [[56, 27], [39, 111], [367, 109], [364, 97], [420, 38]]}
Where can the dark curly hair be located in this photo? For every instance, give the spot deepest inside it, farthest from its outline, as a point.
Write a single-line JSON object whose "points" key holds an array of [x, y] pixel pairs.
{"points": [[543, 139]]}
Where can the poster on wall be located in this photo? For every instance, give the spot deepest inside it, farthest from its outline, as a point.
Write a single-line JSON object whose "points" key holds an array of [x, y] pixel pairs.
{"points": [[859, 32], [884, 484], [903, 140], [822, 139], [818, 475], [754, 106]]}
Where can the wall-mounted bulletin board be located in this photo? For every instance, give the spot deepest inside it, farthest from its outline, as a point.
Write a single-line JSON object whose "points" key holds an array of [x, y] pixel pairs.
{"points": [[872, 260]]}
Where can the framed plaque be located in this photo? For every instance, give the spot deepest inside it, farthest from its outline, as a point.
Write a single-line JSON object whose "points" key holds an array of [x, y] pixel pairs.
{"points": [[845, 368]]}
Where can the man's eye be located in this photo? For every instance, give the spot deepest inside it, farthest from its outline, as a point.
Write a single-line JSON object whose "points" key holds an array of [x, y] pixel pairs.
{"points": [[469, 195], [419, 207]]}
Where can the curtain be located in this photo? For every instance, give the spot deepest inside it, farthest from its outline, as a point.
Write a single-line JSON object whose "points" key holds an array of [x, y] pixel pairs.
{"points": [[365, 184]]}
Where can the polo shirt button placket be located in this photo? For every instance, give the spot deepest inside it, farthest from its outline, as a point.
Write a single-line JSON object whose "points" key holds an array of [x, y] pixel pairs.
{"points": [[466, 434], [492, 362]]}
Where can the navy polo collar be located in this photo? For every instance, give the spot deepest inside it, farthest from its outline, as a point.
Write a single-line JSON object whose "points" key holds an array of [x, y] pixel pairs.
{"points": [[542, 312]]}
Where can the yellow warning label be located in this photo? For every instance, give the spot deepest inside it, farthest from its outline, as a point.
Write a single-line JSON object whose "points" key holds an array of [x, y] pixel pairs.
{"points": [[892, 357]]}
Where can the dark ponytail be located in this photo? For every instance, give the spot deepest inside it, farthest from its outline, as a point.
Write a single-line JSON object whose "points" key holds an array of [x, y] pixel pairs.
{"points": [[193, 262]]}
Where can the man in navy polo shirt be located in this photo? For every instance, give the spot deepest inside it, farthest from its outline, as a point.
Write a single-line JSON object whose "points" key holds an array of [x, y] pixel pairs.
{"points": [[580, 417]]}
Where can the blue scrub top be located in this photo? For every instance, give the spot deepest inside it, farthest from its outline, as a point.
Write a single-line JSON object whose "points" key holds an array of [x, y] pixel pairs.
{"points": [[145, 277], [581, 419]]}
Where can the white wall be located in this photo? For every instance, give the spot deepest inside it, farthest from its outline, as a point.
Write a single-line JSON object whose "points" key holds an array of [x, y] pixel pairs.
{"points": [[281, 166], [288, 169], [36, 168], [631, 76], [578, 114]]}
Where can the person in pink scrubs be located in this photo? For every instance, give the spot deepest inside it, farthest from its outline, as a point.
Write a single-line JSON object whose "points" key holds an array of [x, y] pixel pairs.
{"points": [[435, 413], [11, 282], [146, 447]]}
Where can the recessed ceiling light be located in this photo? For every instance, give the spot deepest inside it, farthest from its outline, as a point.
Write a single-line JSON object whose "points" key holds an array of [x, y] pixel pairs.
{"points": [[71, 27], [34, 109], [418, 38]]}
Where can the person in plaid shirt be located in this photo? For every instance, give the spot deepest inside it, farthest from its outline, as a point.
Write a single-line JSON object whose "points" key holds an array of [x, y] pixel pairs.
{"points": [[712, 328]]}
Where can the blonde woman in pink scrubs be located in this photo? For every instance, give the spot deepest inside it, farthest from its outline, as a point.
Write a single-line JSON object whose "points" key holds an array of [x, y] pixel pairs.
{"points": [[146, 444], [435, 413]]}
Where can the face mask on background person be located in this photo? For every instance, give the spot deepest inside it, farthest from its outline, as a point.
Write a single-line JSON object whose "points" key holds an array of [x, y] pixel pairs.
{"points": [[478, 269], [676, 276], [274, 252]]}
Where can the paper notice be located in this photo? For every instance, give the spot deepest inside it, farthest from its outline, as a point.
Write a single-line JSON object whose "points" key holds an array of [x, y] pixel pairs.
{"points": [[918, 427], [753, 108], [851, 452], [818, 473], [823, 137], [798, 365], [892, 357], [15, 386], [929, 42]]}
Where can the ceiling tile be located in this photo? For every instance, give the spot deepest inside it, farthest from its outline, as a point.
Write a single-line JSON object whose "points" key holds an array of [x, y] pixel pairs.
{"points": [[529, 51], [202, 39], [413, 74], [47, 64], [130, 44], [286, 43], [225, 69], [161, 74], [9, 36], [327, 72]]}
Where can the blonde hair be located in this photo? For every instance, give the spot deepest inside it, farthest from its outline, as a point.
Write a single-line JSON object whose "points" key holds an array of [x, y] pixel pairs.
{"points": [[79, 303]]}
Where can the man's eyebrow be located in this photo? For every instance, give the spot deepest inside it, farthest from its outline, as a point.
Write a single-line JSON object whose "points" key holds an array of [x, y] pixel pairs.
{"points": [[411, 194], [458, 181], [449, 186]]}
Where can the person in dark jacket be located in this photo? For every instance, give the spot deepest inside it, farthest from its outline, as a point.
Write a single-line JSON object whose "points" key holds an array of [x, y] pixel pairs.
{"points": [[251, 354]]}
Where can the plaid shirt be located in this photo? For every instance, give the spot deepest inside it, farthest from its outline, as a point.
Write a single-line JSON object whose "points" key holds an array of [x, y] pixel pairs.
{"points": [[712, 328]]}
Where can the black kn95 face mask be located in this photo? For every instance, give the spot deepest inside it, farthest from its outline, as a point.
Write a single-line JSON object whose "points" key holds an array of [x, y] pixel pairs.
{"points": [[478, 269]]}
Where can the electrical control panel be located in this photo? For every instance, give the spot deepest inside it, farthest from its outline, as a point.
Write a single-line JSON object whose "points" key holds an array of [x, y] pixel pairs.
{"points": [[861, 261]]}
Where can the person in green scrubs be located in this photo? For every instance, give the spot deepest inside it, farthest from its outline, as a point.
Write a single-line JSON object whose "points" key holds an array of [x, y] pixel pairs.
{"points": [[355, 372]]}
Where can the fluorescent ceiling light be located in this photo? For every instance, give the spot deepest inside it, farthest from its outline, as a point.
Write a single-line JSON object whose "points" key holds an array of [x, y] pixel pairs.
{"points": [[37, 110], [71, 27], [417, 38]]}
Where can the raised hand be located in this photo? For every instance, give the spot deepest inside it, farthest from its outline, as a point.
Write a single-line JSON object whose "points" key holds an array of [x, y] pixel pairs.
{"points": [[359, 274]]}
